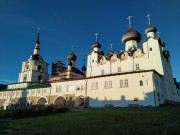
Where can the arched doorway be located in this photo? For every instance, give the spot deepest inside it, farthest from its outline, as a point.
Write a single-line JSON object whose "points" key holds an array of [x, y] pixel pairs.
{"points": [[41, 103], [59, 102], [7, 104]]}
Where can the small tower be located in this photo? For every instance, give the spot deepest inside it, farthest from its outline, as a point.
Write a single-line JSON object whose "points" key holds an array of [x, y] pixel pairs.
{"points": [[131, 37], [71, 60], [34, 69], [96, 46], [150, 30], [92, 60]]}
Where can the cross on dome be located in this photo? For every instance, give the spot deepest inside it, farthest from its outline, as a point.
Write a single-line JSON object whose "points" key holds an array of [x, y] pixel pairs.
{"points": [[129, 18], [96, 34], [149, 19]]}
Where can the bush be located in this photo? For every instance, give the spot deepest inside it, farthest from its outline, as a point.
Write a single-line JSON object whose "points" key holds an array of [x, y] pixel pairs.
{"points": [[48, 110], [61, 110]]}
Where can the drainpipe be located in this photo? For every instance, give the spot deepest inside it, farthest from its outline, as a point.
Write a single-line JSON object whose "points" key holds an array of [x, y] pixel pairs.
{"points": [[85, 97]]}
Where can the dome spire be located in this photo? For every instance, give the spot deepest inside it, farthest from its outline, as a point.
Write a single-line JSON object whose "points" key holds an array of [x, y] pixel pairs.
{"points": [[96, 44], [149, 19], [150, 30], [37, 48], [129, 18], [37, 42], [96, 34]]}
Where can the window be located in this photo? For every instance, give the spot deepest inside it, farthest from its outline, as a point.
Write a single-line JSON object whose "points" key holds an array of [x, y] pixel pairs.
{"points": [[25, 77], [102, 72], [110, 84], [96, 85], [121, 83], [40, 78], [17, 93], [13, 93], [126, 83], [150, 49], [0, 94], [106, 85], [141, 83], [137, 67], [78, 88], [27, 67], [4, 93], [39, 68], [119, 69]]}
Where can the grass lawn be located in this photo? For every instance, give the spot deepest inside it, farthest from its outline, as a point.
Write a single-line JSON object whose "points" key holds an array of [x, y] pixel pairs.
{"points": [[112, 121]]}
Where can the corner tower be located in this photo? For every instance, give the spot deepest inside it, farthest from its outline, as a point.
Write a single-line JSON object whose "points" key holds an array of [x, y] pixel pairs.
{"points": [[34, 69]]}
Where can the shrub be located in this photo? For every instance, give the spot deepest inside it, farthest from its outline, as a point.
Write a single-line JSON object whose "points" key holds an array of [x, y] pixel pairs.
{"points": [[61, 110]]}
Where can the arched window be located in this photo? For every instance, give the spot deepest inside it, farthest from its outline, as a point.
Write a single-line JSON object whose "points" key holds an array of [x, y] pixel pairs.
{"points": [[106, 85], [25, 77], [96, 85], [121, 83], [126, 83], [150, 49], [40, 78], [141, 83], [39, 68], [110, 84]]}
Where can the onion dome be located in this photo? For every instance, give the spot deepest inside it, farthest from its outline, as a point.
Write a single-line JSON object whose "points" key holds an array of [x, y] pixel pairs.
{"points": [[71, 56], [96, 44], [83, 68], [131, 35], [150, 28]]}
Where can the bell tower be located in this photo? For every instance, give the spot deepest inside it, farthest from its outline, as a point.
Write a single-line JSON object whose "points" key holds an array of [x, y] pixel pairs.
{"points": [[34, 69]]}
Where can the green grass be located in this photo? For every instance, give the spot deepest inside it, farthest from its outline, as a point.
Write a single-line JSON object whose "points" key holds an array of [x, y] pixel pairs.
{"points": [[114, 121]]}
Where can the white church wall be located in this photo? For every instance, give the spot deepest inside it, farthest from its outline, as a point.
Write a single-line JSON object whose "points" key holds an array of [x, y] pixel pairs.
{"points": [[121, 96]]}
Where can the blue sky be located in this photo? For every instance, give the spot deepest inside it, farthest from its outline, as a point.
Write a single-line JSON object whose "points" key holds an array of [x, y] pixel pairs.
{"points": [[67, 23]]}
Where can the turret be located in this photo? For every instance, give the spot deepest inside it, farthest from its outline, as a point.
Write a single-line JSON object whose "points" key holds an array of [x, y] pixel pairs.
{"points": [[96, 46], [71, 60], [36, 49], [131, 37], [150, 30]]}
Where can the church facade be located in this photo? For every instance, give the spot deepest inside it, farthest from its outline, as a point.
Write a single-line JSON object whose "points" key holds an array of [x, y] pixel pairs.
{"points": [[130, 77]]}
